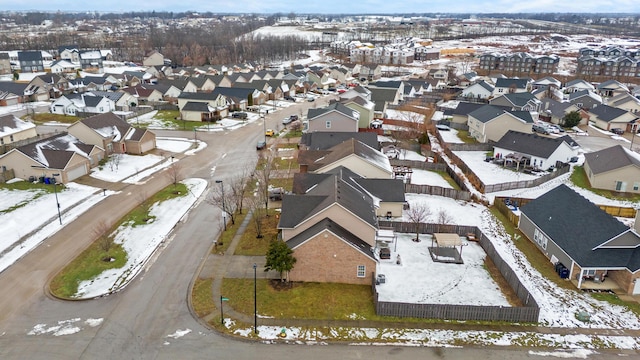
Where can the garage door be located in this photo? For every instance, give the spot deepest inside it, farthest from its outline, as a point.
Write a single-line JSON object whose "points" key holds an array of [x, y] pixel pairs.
{"points": [[77, 172], [636, 287], [146, 146]]}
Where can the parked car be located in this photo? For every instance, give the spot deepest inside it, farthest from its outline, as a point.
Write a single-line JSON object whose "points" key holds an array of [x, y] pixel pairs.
{"points": [[270, 132], [261, 145], [276, 194], [617, 131], [376, 124], [385, 253], [239, 115], [286, 121], [287, 97], [443, 127], [540, 129]]}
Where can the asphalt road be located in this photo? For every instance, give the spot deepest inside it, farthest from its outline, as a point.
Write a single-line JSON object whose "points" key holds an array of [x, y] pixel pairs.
{"points": [[138, 321]]}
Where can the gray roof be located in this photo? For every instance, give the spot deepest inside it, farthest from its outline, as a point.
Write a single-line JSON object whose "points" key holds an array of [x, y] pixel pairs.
{"points": [[490, 112], [234, 92], [485, 85], [30, 56], [607, 113], [381, 95], [609, 159], [107, 120], [112, 95], [529, 144], [56, 151], [387, 84], [344, 234], [13, 87], [581, 93], [554, 107], [318, 159], [196, 106], [314, 113], [517, 83], [518, 99], [326, 140], [333, 190], [387, 190], [578, 227]]}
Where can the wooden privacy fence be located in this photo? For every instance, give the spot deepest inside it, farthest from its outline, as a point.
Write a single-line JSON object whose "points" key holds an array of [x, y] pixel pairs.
{"points": [[527, 313], [439, 166], [437, 190], [501, 204]]}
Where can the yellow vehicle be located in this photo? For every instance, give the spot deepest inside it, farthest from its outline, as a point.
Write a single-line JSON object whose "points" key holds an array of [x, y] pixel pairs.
{"points": [[269, 132]]}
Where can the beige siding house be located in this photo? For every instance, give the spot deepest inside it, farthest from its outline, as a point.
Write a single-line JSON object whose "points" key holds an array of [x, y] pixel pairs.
{"points": [[62, 154], [115, 135], [13, 129], [614, 168], [608, 118], [351, 154], [490, 123], [153, 58]]}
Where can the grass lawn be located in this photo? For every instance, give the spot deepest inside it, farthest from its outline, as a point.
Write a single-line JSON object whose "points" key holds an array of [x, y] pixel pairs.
{"points": [[38, 190], [285, 183], [226, 236], [47, 117], [171, 119], [201, 299], [579, 178], [90, 262], [615, 300], [449, 179], [464, 136], [302, 300], [293, 134], [250, 244]]}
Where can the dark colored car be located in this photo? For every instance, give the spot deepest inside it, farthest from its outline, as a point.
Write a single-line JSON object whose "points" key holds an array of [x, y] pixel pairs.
{"points": [[239, 115], [287, 97], [261, 145], [617, 131], [385, 253]]}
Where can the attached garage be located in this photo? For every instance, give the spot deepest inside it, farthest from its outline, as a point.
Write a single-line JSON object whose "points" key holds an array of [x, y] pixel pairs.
{"points": [[77, 172]]}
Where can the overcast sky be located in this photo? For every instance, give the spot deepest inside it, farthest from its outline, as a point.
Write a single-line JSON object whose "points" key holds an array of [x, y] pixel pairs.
{"points": [[330, 6]]}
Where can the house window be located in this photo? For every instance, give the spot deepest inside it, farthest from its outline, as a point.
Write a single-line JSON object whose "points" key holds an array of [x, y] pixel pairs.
{"points": [[619, 185], [636, 186], [540, 239], [11, 138], [328, 124], [361, 270]]}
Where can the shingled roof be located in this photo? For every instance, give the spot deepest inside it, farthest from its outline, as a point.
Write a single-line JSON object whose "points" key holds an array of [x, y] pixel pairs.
{"points": [[583, 231], [55, 152], [611, 158], [529, 144], [339, 231]]}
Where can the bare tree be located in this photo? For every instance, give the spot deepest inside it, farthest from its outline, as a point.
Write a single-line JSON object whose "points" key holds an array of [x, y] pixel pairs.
{"points": [[263, 172], [144, 202], [174, 173], [101, 233], [417, 214], [239, 186], [225, 200], [444, 218], [255, 204]]}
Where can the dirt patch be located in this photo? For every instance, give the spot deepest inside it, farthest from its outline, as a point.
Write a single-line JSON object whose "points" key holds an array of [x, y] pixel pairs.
{"points": [[279, 285]]}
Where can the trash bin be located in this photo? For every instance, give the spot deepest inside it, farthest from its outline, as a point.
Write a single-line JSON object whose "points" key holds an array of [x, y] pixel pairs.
{"points": [[381, 279]]}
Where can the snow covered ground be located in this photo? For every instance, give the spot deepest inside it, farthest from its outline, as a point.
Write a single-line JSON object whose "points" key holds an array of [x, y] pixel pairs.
{"points": [[451, 136], [140, 242], [127, 166], [39, 217], [421, 280], [425, 177], [490, 173]]}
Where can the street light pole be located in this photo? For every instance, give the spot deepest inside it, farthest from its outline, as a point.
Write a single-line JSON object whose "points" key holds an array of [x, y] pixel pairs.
{"points": [[264, 125], [55, 191], [255, 300], [224, 212]]}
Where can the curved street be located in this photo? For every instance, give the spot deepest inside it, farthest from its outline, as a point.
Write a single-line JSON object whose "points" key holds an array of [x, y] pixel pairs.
{"points": [[150, 318]]}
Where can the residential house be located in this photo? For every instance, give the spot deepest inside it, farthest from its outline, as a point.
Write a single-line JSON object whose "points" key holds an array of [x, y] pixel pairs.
{"points": [[545, 82], [507, 86], [490, 123], [585, 99], [113, 134], [215, 101], [517, 101], [123, 101], [625, 101], [334, 117], [70, 53], [153, 58], [479, 90], [145, 95], [592, 245], [54, 84], [538, 151], [364, 107], [554, 111], [384, 97], [12, 93], [608, 118], [352, 154], [91, 60], [370, 72], [240, 98], [326, 140], [61, 154], [13, 129], [5, 64], [63, 67], [203, 83], [198, 111], [31, 61], [611, 88], [578, 85], [74, 103], [356, 91], [614, 168]]}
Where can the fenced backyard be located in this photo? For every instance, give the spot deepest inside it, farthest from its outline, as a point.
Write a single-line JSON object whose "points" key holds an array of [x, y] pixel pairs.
{"points": [[529, 312]]}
